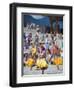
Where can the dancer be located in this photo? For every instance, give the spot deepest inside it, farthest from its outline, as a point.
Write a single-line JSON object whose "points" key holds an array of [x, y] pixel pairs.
{"points": [[30, 62]]}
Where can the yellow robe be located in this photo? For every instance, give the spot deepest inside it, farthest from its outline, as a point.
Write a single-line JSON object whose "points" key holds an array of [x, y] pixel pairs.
{"points": [[33, 50], [41, 63], [30, 62]]}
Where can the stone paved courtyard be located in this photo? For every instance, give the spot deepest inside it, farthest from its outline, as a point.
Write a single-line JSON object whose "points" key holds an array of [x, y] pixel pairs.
{"points": [[52, 69]]}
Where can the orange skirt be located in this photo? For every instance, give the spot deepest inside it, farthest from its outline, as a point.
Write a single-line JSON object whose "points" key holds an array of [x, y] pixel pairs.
{"points": [[58, 61]]}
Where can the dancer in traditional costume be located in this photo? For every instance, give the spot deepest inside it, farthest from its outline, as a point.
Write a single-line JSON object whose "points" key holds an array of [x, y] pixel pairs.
{"points": [[41, 64], [30, 62]]}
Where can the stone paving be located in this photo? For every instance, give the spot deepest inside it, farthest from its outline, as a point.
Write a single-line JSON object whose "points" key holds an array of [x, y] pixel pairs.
{"points": [[52, 69]]}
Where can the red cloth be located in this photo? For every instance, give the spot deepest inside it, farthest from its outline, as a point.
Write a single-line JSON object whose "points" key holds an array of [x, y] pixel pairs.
{"points": [[55, 50]]}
